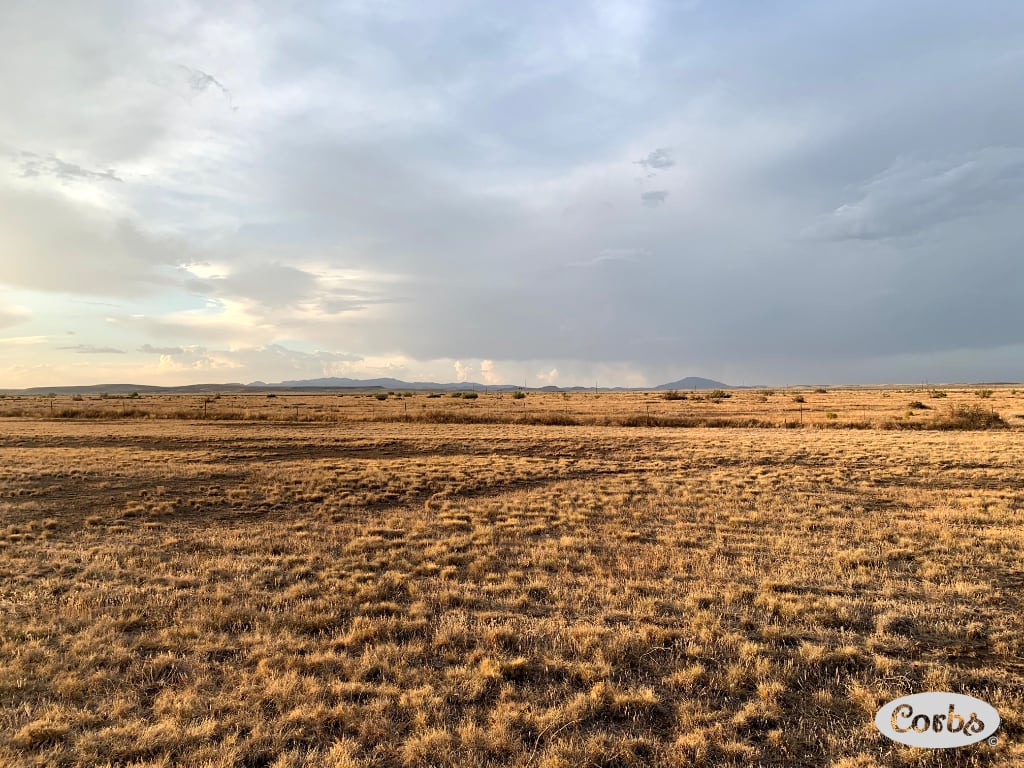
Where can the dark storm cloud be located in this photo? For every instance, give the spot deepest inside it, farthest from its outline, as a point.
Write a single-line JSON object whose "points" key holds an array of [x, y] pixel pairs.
{"points": [[912, 196], [841, 191]]}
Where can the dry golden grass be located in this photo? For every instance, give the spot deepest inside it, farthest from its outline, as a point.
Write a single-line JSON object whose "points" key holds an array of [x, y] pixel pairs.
{"points": [[849, 408], [375, 593]]}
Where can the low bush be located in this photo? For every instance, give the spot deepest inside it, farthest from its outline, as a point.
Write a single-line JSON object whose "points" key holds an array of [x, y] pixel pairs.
{"points": [[971, 417], [967, 417]]}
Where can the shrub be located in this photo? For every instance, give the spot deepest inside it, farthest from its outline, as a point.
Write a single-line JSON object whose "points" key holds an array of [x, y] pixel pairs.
{"points": [[76, 398], [271, 395], [381, 395], [799, 399], [917, 404], [470, 395], [718, 394], [456, 394], [831, 415], [971, 417], [517, 395], [962, 417], [985, 393], [938, 393], [821, 391], [434, 394]]}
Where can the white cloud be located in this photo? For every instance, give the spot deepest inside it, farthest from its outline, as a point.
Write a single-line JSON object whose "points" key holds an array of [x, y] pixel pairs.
{"points": [[548, 377], [488, 373]]}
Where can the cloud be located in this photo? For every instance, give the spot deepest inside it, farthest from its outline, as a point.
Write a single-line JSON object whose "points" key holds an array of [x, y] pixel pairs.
{"points": [[21, 340], [462, 371], [424, 185], [270, 285], [200, 82], [488, 373], [50, 243], [606, 255], [659, 159], [548, 378], [654, 198], [32, 166], [10, 316], [89, 349], [271, 362], [151, 350], [912, 196]]}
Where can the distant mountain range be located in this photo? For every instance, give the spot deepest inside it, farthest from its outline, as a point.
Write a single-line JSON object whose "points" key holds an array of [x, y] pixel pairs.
{"points": [[690, 382], [693, 382]]}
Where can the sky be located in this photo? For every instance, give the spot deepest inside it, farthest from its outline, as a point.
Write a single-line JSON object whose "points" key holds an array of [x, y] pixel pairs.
{"points": [[622, 193]]}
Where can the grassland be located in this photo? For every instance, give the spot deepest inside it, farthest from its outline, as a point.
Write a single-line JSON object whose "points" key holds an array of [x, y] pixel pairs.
{"points": [[364, 588], [888, 408]]}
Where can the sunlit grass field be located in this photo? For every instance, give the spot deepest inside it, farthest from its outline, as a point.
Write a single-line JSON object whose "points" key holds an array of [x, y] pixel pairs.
{"points": [[349, 583], [856, 408]]}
